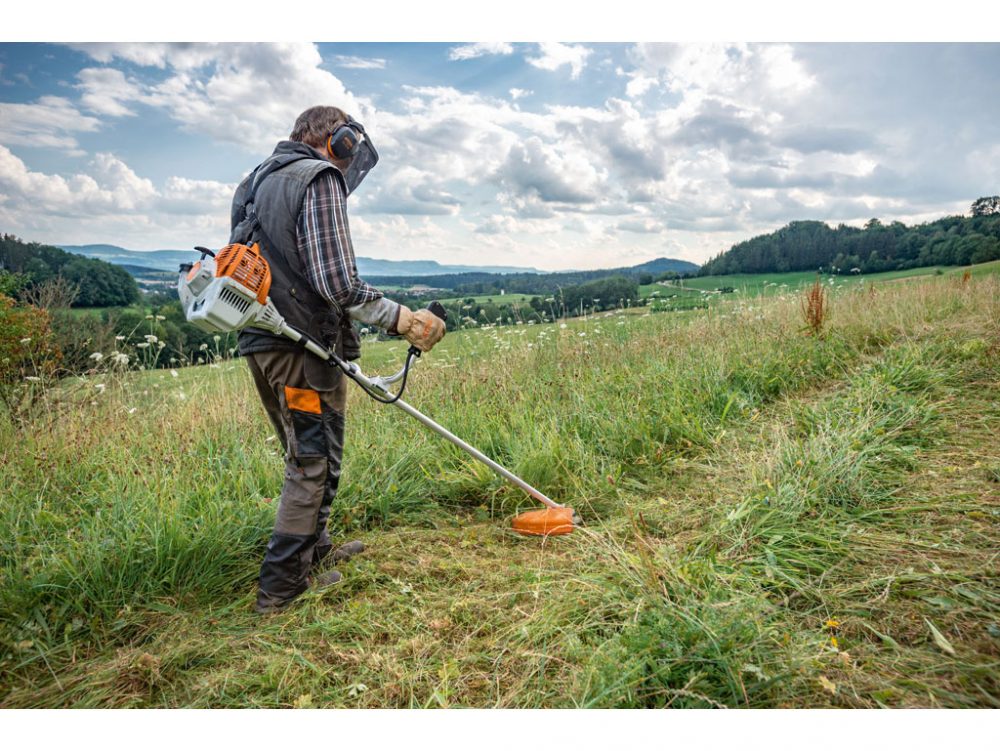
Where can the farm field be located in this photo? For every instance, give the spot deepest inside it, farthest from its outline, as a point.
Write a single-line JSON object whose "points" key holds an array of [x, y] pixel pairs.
{"points": [[498, 299], [756, 284], [773, 520]]}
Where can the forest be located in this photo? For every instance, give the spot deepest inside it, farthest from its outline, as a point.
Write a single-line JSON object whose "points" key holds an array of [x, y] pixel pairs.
{"points": [[27, 266], [814, 245]]}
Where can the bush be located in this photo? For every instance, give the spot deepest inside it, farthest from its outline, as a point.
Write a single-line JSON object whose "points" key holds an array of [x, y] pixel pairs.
{"points": [[29, 358]]}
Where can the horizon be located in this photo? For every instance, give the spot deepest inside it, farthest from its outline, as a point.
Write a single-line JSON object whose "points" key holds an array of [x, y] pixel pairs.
{"points": [[546, 156]]}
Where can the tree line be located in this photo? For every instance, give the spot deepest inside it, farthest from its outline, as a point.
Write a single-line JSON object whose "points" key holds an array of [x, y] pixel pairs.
{"points": [[482, 283], [813, 245]]}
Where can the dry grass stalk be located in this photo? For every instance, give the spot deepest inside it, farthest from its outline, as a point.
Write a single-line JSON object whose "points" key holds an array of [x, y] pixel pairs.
{"points": [[815, 309]]}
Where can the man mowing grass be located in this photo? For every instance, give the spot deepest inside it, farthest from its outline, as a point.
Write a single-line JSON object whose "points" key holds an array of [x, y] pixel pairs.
{"points": [[299, 196]]}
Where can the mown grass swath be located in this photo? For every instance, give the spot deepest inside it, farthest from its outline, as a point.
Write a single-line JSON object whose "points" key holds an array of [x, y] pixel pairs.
{"points": [[773, 520]]}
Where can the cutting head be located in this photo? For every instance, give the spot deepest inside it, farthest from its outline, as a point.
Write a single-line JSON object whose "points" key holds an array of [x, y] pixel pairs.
{"points": [[546, 521]]}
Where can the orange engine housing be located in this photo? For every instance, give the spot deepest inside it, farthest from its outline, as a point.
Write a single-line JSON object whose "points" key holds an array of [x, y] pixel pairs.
{"points": [[246, 265]]}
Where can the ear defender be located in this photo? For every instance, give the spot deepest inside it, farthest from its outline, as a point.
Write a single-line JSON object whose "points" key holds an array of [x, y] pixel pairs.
{"points": [[343, 142]]}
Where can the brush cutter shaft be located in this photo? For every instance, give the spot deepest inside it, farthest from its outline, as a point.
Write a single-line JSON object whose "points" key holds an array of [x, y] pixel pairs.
{"points": [[355, 373], [444, 433]]}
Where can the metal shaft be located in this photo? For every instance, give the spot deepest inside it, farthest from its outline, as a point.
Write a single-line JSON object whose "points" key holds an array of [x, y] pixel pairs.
{"points": [[355, 373]]}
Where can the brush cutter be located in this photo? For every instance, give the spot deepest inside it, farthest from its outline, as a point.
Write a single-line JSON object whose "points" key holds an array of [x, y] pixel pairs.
{"points": [[228, 291]]}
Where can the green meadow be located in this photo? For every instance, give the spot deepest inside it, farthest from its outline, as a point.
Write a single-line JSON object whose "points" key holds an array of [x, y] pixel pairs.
{"points": [[773, 518]]}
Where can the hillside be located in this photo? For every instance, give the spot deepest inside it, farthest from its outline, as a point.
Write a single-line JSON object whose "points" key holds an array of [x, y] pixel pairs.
{"points": [[169, 260], [773, 520], [98, 283], [534, 283], [812, 246]]}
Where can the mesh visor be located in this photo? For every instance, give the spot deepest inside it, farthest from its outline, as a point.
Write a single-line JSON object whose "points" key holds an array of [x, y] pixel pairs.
{"points": [[362, 162]]}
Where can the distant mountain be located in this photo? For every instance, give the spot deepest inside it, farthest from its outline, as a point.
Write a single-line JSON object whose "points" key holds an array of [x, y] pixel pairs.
{"points": [[661, 265], [169, 260]]}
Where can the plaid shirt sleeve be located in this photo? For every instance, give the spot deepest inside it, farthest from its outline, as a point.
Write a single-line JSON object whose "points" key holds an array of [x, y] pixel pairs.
{"points": [[324, 245]]}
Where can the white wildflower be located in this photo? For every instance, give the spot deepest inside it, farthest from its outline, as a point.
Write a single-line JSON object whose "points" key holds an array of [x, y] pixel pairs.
{"points": [[100, 387], [97, 356], [217, 337], [119, 358], [174, 373], [26, 340], [150, 338], [142, 345], [203, 347], [132, 411], [33, 379], [119, 338], [161, 318]]}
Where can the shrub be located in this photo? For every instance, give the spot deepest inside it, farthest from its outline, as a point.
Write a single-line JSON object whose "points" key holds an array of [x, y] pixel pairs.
{"points": [[28, 356]]}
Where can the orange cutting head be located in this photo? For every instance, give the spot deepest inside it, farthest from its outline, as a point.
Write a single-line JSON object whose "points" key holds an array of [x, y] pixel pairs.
{"points": [[545, 521]]}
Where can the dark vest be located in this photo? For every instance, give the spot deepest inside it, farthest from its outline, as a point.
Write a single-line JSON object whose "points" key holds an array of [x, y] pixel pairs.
{"points": [[277, 203]]}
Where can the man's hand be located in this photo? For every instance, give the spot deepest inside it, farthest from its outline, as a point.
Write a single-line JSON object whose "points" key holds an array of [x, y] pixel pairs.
{"points": [[421, 328]]}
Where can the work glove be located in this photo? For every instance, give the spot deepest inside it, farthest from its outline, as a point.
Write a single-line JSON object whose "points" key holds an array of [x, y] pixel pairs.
{"points": [[421, 328]]}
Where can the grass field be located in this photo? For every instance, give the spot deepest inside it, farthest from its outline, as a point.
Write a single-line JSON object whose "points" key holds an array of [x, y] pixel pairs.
{"points": [[773, 520], [771, 284], [498, 299]]}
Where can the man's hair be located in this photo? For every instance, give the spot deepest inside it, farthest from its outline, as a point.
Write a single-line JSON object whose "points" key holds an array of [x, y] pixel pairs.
{"points": [[315, 124]]}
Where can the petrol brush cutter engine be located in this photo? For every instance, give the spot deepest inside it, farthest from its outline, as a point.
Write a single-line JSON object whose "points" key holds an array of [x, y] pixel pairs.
{"points": [[228, 291]]}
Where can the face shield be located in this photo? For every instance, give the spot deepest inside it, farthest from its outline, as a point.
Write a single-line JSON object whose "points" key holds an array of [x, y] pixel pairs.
{"points": [[351, 142]]}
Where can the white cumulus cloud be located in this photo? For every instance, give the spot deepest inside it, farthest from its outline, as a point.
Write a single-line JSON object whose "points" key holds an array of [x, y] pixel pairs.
{"points": [[470, 51], [554, 55], [48, 122]]}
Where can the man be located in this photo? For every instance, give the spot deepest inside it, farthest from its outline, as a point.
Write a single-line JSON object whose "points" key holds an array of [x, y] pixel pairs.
{"points": [[294, 204]]}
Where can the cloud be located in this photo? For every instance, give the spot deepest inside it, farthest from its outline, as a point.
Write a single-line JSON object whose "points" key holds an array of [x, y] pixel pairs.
{"points": [[178, 55], [360, 63], [552, 173], [246, 94], [106, 89], [554, 55], [641, 226], [516, 94], [49, 122], [409, 190], [470, 51], [110, 203]]}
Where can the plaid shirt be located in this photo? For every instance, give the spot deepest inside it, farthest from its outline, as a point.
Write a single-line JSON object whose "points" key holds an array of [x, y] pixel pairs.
{"points": [[324, 245]]}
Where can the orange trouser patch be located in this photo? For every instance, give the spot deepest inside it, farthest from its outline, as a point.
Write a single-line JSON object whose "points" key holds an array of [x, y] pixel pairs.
{"points": [[303, 400]]}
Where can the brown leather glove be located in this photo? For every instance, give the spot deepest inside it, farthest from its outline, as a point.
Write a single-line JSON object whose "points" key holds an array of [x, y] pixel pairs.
{"points": [[421, 328]]}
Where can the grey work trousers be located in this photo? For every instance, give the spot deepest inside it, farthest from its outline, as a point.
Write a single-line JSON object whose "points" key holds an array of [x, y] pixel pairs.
{"points": [[310, 425]]}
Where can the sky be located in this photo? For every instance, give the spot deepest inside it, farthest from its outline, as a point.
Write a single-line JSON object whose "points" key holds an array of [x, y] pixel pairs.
{"points": [[551, 155]]}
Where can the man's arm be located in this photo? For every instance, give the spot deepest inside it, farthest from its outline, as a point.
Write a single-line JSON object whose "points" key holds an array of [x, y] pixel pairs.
{"points": [[324, 245]]}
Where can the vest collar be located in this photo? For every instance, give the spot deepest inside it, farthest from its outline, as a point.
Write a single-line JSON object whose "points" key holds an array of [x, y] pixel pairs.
{"points": [[297, 147]]}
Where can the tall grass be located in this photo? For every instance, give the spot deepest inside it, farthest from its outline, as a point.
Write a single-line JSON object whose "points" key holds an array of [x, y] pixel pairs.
{"points": [[740, 482]]}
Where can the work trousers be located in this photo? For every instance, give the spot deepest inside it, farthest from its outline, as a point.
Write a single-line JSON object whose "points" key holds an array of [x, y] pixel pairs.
{"points": [[310, 425]]}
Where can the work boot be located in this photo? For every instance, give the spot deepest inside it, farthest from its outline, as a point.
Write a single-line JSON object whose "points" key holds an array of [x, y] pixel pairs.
{"points": [[267, 604], [348, 550], [326, 579]]}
